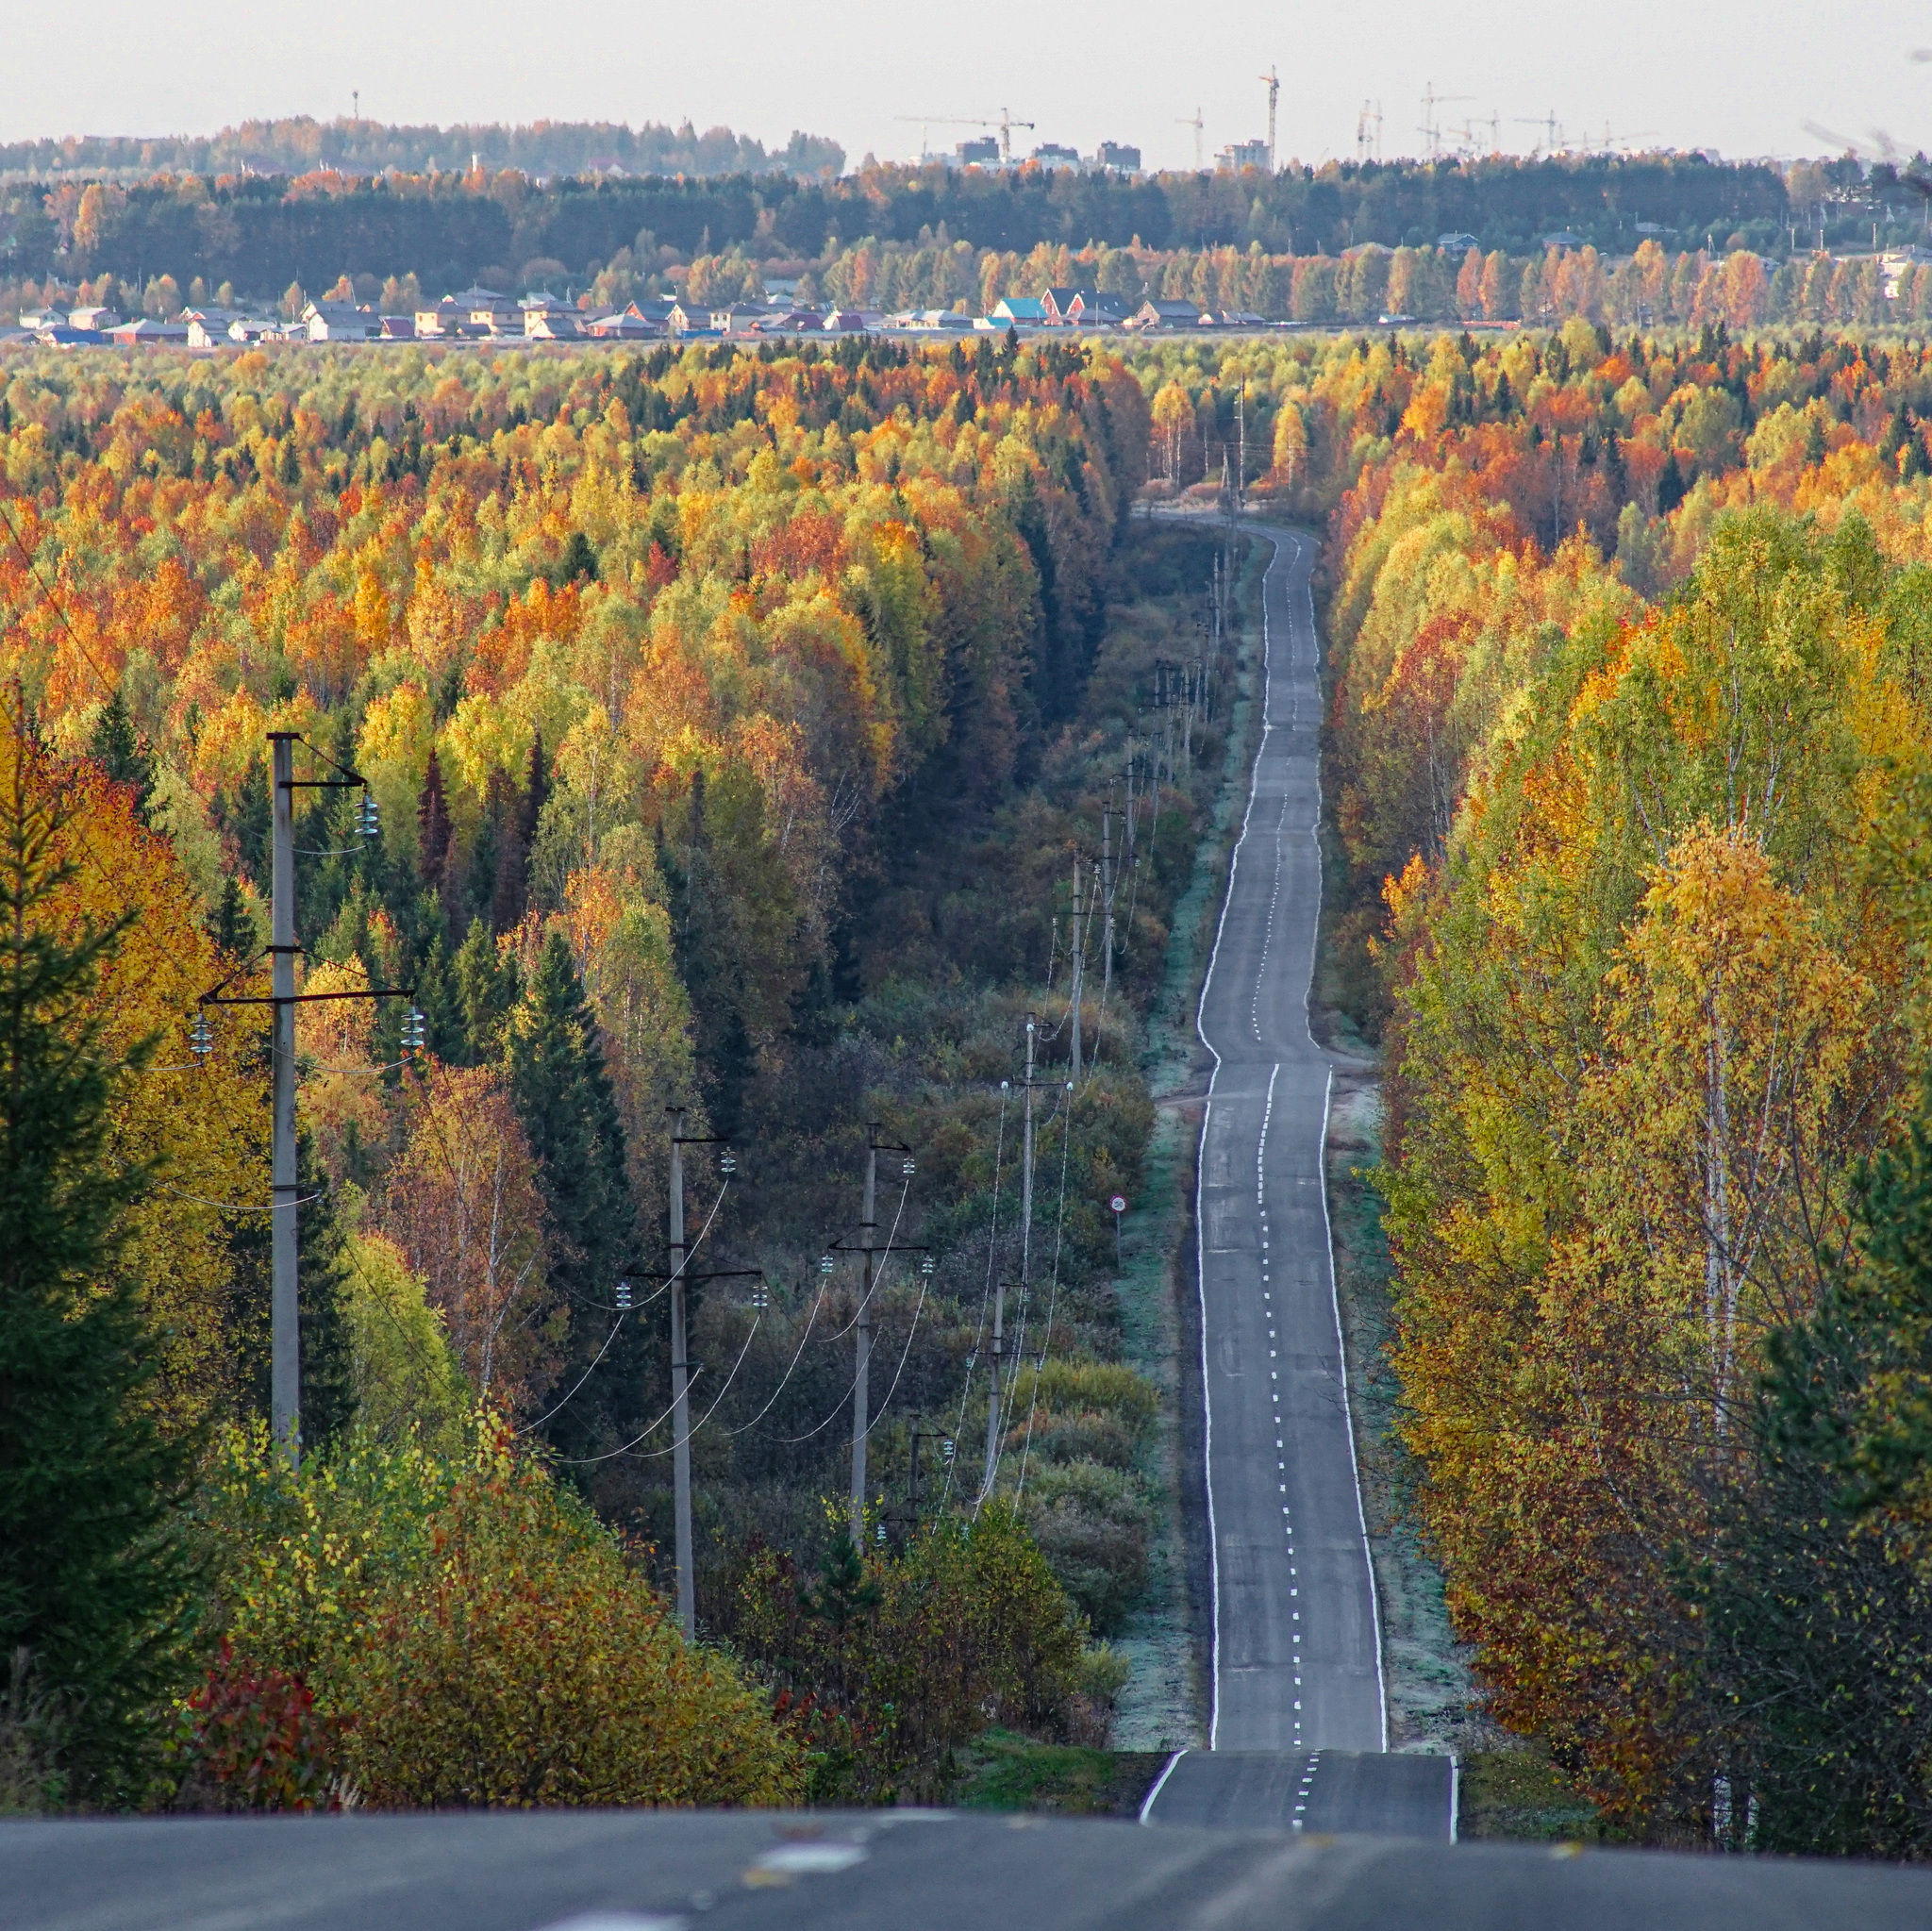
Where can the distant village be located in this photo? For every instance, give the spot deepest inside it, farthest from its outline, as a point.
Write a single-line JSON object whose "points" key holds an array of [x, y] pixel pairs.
{"points": [[488, 315]]}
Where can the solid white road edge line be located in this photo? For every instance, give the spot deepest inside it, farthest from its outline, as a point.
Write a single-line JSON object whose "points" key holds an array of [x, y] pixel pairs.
{"points": [[1160, 1784]]}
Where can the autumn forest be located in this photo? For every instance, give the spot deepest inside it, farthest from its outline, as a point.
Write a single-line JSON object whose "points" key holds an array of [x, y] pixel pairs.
{"points": [[738, 728]]}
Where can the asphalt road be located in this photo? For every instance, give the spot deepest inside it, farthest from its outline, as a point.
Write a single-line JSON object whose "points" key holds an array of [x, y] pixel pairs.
{"points": [[1296, 1639], [893, 1871], [1337, 1791], [1297, 1652]]}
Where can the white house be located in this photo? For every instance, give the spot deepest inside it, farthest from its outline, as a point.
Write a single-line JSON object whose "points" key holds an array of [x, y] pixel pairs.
{"points": [[341, 321]]}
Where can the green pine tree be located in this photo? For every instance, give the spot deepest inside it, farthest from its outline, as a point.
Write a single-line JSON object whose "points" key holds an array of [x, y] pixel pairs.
{"points": [[91, 1571]]}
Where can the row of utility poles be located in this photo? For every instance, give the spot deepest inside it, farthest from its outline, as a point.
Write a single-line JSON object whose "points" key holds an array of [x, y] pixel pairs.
{"points": [[1181, 693]]}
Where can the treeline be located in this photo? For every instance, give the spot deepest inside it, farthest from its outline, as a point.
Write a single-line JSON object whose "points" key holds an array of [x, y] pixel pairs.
{"points": [[261, 233], [301, 144], [733, 724], [1631, 745]]}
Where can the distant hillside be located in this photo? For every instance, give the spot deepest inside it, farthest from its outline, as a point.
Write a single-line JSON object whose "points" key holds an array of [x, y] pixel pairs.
{"points": [[304, 145]]}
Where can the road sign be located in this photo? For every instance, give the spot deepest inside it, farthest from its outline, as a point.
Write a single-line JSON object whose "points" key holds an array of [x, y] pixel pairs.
{"points": [[1119, 1203]]}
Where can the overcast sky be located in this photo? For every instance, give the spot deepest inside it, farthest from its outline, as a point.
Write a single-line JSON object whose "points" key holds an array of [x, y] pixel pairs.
{"points": [[1742, 80]]}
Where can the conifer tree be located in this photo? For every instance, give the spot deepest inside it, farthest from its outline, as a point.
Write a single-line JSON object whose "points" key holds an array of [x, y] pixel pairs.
{"points": [[565, 1101], [483, 979], [117, 750], [433, 830], [89, 1567]]}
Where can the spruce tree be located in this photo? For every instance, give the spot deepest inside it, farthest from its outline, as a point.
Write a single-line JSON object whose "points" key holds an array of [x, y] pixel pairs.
{"points": [[484, 990], [116, 749], [90, 1573]]}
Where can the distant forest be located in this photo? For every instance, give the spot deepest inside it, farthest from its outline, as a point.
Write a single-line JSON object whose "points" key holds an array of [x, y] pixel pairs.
{"points": [[260, 233], [302, 144]]}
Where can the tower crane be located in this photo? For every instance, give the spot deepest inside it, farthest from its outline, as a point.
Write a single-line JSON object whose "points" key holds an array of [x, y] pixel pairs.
{"points": [[1553, 128], [1431, 101], [1196, 124], [1273, 82], [1367, 146], [1004, 125]]}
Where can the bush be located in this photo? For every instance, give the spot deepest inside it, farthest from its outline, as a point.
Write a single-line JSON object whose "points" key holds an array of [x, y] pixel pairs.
{"points": [[1091, 1524], [471, 1635], [892, 1661], [255, 1742], [533, 1665]]}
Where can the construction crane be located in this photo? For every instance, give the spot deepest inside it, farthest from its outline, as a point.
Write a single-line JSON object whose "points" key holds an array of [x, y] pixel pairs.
{"points": [[1614, 140], [1553, 127], [1367, 146], [1005, 124], [1431, 101], [1196, 124], [1273, 82]]}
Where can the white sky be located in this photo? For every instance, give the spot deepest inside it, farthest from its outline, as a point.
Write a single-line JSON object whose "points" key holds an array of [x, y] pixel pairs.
{"points": [[1743, 79]]}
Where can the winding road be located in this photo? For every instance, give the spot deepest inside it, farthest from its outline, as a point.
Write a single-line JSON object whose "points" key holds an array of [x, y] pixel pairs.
{"points": [[1299, 1726]]}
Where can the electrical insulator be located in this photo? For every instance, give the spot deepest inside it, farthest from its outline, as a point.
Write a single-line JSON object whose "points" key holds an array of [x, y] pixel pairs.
{"points": [[414, 1029], [906, 1170], [925, 1265], [825, 1264], [879, 1534], [759, 1298], [623, 1293], [728, 1164], [201, 1038], [946, 1448], [370, 823]]}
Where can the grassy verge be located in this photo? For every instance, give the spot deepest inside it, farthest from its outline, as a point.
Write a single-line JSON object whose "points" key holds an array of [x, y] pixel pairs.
{"points": [[1164, 1703], [1430, 1694], [1519, 1793], [1008, 1772]]}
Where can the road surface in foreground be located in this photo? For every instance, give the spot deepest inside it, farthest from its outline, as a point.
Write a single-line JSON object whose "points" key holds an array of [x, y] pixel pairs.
{"points": [[890, 1871]]}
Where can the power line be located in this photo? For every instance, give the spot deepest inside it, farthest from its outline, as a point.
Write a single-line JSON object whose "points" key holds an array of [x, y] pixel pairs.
{"points": [[986, 1294], [1051, 1304]]}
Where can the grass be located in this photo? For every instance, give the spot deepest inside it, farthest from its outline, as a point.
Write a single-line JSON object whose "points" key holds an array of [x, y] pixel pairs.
{"points": [[1002, 1772], [1520, 1794]]}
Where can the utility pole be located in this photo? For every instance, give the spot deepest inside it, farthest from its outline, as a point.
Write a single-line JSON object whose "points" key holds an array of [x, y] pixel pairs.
{"points": [[1240, 474], [999, 1296], [285, 1345], [860, 1390], [285, 1306], [1079, 960], [680, 1388], [1106, 901]]}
